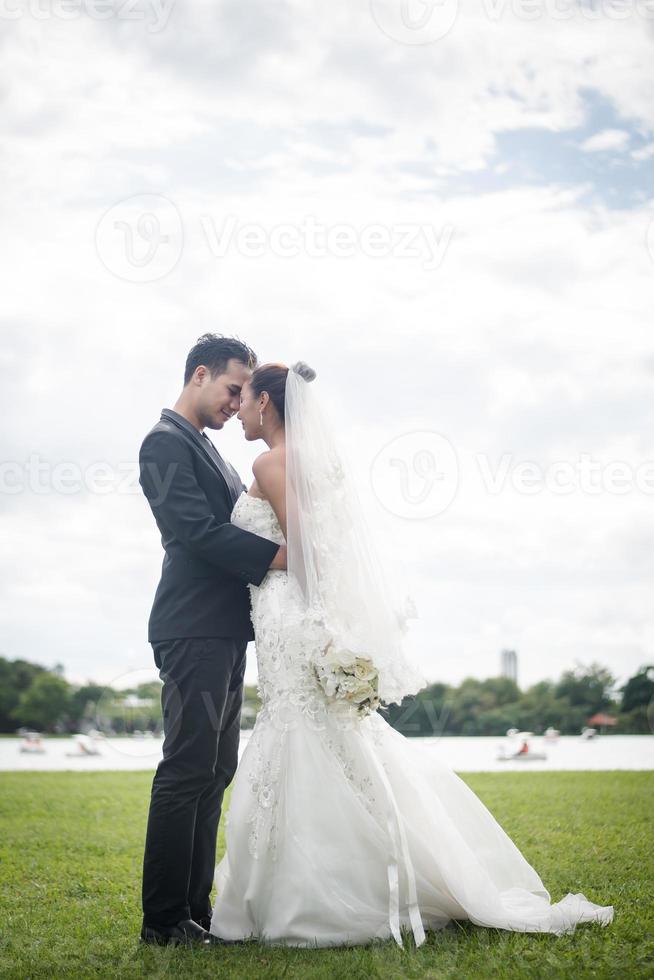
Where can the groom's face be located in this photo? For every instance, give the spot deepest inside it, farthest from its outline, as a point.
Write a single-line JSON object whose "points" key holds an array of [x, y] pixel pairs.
{"points": [[218, 398]]}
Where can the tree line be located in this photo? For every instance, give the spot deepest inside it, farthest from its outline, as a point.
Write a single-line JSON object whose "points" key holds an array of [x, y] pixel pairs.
{"points": [[36, 697], [492, 706], [33, 696]]}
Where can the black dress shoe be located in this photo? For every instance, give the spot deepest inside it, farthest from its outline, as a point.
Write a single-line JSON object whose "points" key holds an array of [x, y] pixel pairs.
{"points": [[186, 932]]}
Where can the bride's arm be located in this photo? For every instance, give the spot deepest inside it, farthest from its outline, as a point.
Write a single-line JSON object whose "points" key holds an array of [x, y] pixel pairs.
{"points": [[270, 473]]}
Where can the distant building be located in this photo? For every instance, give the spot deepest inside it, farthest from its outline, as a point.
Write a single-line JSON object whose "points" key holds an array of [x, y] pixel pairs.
{"points": [[132, 701], [509, 666]]}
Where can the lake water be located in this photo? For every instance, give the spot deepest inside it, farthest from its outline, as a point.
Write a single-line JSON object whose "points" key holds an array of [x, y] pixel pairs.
{"points": [[462, 754]]}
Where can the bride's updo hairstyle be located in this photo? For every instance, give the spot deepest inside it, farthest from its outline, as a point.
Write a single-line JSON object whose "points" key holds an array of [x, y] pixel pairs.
{"points": [[272, 378]]}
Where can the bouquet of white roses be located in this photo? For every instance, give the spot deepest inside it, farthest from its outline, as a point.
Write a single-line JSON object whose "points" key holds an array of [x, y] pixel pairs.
{"points": [[346, 676]]}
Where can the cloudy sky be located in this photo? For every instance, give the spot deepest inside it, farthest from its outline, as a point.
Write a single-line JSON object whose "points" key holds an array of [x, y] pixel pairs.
{"points": [[446, 209]]}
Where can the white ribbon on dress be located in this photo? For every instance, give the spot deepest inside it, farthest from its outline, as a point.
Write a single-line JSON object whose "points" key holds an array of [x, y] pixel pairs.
{"points": [[399, 852]]}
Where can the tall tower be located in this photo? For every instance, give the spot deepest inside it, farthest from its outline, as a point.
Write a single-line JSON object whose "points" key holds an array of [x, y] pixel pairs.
{"points": [[509, 668]]}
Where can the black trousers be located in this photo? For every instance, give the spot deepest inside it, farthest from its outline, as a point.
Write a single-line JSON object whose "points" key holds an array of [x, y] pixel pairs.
{"points": [[201, 701]]}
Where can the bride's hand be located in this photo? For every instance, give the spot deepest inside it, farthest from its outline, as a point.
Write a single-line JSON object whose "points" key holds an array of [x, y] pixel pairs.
{"points": [[278, 564]]}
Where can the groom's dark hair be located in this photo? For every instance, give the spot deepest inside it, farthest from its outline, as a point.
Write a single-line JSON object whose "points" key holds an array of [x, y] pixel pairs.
{"points": [[214, 351]]}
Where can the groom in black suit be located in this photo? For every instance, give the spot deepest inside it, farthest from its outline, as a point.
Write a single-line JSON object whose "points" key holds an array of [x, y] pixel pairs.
{"points": [[199, 629]]}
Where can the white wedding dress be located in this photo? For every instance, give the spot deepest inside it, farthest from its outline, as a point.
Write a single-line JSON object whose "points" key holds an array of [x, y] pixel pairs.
{"points": [[341, 830]]}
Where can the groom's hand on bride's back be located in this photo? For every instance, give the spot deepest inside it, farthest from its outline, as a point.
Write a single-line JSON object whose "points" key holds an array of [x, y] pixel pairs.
{"points": [[278, 564]]}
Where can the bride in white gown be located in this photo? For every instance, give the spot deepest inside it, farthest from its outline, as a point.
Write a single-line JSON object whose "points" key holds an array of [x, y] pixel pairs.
{"points": [[340, 830]]}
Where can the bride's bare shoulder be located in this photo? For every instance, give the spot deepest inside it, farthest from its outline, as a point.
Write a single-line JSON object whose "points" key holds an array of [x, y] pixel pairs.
{"points": [[270, 461], [270, 480], [270, 469]]}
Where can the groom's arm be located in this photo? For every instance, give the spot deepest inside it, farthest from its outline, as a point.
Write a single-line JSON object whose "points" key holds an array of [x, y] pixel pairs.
{"points": [[179, 504]]}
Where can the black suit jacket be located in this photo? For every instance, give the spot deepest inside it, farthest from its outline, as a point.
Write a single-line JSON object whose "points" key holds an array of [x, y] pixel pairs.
{"points": [[208, 561]]}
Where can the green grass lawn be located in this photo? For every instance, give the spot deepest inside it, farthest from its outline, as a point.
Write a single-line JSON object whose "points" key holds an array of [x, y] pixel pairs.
{"points": [[70, 864]]}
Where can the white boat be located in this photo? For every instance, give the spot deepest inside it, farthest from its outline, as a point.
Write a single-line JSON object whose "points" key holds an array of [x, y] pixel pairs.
{"points": [[519, 749], [587, 733], [85, 745], [32, 744], [551, 734]]}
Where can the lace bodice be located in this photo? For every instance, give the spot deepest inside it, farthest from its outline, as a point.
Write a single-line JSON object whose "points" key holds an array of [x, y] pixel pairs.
{"points": [[288, 636], [257, 515], [284, 637]]}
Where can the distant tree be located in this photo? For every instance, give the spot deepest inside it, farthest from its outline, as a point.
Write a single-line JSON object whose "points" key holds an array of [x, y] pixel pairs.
{"points": [[468, 702], [497, 721], [151, 689], [639, 689], [83, 704], [587, 688], [503, 689], [425, 714], [539, 708], [15, 678], [45, 703], [637, 708]]}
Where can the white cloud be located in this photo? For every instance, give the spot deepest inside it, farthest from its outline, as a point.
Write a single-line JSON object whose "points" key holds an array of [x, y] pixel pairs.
{"points": [[606, 139], [644, 152]]}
